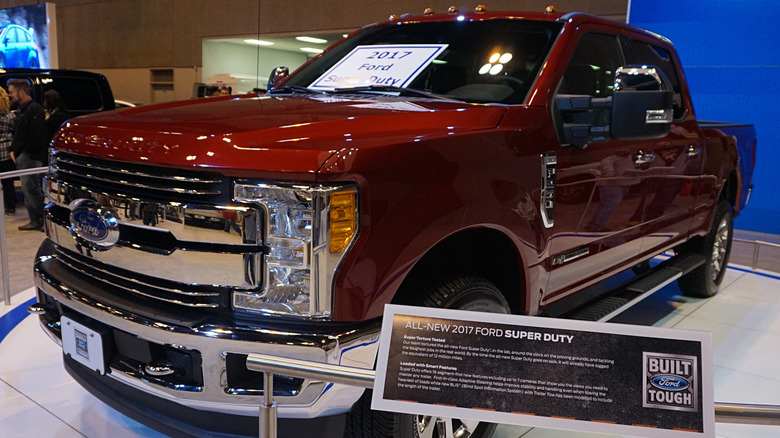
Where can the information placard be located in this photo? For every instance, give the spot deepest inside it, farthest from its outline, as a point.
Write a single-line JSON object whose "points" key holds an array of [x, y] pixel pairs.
{"points": [[544, 372], [389, 65]]}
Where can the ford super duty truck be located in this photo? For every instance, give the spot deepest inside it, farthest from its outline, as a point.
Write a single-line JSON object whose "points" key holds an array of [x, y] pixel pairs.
{"points": [[486, 161]]}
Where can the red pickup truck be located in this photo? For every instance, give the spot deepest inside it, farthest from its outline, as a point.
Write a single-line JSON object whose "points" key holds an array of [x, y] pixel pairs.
{"points": [[487, 161]]}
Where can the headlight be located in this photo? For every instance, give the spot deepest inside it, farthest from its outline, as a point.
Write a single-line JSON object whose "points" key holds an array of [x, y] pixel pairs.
{"points": [[308, 229]]}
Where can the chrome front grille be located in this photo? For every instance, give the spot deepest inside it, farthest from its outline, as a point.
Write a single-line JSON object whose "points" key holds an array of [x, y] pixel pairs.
{"points": [[133, 181], [182, 245]]}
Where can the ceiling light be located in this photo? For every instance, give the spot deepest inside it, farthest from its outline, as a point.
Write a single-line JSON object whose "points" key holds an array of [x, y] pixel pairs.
{"points": [[311, 50], [312, 40], [259, 42]]}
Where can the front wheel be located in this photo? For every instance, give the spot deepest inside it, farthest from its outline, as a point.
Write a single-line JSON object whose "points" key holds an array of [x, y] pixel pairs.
{"points": [[464, 293], [705, 280]]}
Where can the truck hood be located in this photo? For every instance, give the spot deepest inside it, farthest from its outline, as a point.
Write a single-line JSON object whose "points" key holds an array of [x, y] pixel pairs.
{"points": [[292, 135]]}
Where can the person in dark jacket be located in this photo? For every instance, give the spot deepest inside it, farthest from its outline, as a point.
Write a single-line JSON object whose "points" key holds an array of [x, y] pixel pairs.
{"points": [[29, 149], [7, 120], [56, 113]]}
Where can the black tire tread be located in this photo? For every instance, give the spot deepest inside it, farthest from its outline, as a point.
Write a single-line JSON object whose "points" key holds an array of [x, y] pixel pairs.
{"points": [[362, 421], [697, 283]]}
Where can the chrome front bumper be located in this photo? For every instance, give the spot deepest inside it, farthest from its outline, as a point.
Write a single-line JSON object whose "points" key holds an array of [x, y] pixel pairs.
{"points": [[355, 348]]}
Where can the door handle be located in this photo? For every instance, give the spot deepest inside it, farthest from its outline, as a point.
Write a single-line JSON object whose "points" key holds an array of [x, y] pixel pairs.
{"points": [[694, 150], [642, 158]]}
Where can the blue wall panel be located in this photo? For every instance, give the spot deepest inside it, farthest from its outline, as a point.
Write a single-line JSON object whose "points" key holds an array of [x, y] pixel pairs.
{"points": [[731, 57]]}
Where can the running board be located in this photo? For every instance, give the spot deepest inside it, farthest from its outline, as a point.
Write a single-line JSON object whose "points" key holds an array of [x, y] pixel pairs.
{"points": [[621, 298]]}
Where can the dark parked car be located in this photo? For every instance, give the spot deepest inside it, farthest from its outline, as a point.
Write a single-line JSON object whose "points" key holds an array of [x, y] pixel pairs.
{"points": [[18, 47], [83, 92]]}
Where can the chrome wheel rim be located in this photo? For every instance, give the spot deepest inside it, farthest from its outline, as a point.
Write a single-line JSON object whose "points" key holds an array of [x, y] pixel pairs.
{"points": [[719, 249], [439, 427]]}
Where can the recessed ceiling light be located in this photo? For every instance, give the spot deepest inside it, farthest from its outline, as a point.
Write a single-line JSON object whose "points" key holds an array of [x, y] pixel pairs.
{"points": [[312, 40], [311, 50], [259, 42]]}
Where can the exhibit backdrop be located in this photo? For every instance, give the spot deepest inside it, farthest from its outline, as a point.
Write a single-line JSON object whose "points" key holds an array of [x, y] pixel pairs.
{"points": [[27, 37], [733, 69]]}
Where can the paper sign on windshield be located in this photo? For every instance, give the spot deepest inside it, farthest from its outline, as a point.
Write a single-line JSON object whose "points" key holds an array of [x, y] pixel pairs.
{"points": [[392, 65]]}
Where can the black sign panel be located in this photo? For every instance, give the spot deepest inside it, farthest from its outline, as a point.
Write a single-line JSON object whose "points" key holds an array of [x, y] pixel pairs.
{"points": [[575, 375]]}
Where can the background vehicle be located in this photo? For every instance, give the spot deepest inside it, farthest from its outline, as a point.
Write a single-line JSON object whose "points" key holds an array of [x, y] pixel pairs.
{"points": [[17, 47], [83, 92], [441, 191]]}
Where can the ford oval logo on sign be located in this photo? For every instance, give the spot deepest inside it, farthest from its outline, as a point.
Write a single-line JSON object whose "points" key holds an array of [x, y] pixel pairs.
{"points": [[669, 382], [93, 225]]}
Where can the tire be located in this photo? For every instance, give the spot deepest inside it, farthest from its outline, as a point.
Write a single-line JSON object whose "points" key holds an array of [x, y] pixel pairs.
{"points": [[704, 281], [465, 293]]}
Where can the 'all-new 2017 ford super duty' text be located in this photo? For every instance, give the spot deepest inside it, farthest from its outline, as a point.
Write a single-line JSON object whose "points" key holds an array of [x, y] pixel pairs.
{"points": [[486, 161]]}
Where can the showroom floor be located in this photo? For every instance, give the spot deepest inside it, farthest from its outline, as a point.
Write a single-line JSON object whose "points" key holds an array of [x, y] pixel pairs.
{"points": [[38, 398]]}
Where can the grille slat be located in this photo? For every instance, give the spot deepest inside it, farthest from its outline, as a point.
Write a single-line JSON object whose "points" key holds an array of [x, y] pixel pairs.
{"points": [[130, 180], [137, 286]]}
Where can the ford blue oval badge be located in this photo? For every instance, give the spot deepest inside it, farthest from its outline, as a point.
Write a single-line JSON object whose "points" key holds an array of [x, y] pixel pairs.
{"points": [[93, 225], [670, 382]]}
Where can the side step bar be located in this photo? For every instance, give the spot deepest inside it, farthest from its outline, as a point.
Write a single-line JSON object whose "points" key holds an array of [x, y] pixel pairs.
{"points": [[608, 305]]}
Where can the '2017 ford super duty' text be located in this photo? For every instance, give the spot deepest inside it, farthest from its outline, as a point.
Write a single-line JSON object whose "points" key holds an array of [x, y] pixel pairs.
{"points": [[485, 161]]}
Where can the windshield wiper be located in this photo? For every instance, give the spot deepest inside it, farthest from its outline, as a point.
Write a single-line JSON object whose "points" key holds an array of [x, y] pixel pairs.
{"points": [[389, 89], [289, 89]]}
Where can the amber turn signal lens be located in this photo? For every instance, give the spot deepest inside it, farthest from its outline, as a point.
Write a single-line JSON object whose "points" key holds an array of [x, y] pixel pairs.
{"points": [[343, 221]]}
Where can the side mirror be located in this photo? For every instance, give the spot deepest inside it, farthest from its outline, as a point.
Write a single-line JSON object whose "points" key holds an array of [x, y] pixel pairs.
{"points": [[641, 104], [276, 76], [640, 108]]}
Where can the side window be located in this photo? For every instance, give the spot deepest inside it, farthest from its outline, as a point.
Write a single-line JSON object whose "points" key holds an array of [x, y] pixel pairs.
{"points": [[13, 37], [79, 94], [648, 54], [591, 69]]}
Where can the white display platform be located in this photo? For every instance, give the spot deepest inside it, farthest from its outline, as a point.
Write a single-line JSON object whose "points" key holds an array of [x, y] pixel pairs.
{"points": [[38, 398]]}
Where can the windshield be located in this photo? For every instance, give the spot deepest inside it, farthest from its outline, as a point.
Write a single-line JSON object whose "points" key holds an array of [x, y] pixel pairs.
{"points": [[477, 61]]}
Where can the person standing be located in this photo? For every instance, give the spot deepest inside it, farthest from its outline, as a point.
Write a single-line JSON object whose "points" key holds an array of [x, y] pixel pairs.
{"points": [[56, 113], [6, 163], [29, 149]]}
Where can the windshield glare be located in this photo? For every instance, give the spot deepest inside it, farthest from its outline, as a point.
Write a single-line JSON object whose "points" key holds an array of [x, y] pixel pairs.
{"points": [[485, 61]]}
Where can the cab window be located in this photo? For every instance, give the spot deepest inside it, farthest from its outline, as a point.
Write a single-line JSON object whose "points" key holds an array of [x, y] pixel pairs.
{"points": [[591, 69], [648, 54]]}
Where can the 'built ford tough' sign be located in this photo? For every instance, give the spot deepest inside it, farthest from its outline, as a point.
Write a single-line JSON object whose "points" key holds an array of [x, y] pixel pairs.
{"points": [[391, 66], [593, 377]]}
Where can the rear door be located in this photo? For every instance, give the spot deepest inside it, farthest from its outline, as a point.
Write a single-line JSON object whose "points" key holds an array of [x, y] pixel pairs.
{"points": [[674, 163]]}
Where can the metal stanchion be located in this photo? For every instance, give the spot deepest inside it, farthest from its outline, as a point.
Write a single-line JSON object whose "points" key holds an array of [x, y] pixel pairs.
{"points": [[3, 240], [268, 407], [4, 252], [269, 365], [747, 414]]}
